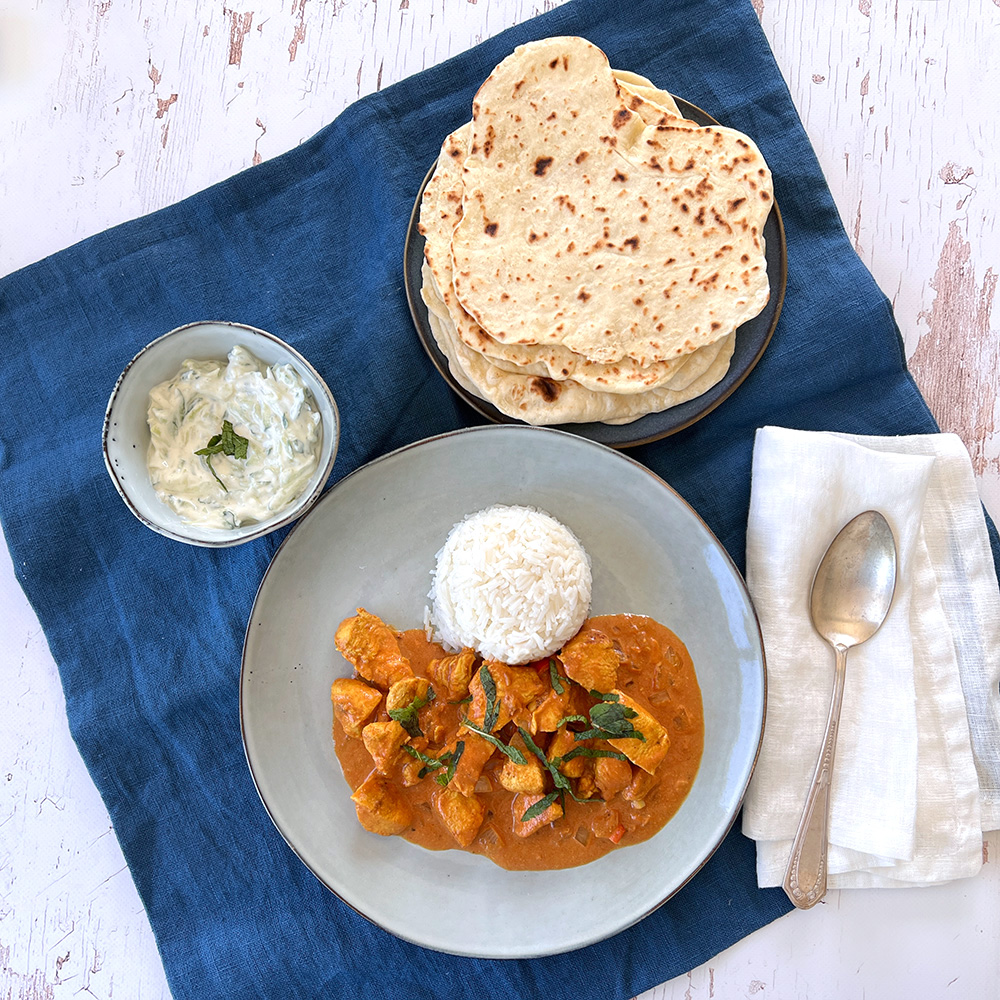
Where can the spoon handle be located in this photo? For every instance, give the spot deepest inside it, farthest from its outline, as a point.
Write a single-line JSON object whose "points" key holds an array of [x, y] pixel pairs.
{"points": [[805, 876]]}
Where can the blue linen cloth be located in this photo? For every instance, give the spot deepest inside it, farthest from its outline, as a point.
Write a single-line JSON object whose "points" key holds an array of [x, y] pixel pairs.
{"points": [[147, 633]]}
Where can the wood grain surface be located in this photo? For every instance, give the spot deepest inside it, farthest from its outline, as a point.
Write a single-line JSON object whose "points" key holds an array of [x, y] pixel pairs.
{"points": [[114, 108]]}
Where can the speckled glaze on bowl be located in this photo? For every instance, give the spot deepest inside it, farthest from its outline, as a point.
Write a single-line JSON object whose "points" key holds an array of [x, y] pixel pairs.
{"points": [[371, 542], [126, 432]]}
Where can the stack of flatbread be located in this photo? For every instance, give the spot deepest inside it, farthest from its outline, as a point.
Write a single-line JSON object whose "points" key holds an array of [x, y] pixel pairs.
{"points": [[589, 253]]}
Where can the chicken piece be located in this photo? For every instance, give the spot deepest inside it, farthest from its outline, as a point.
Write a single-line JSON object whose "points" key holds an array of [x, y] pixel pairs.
{"points": [[516, 689], [462, 814], [523, 689], [612, 776], [527, 777], [433, 726], [546, 713], [373, 648], [353, 703], [470, 765], [383, 741], [381, 806], [409, 772], [586, 785], [403, 692], [638, 788], [561, 744], [522, 803], [590, 659], [453, 673], [646, 754], [608, 825]]}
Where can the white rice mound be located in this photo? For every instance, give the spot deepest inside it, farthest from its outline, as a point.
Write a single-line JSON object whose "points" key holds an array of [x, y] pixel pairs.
{"points": [[511, 582]]}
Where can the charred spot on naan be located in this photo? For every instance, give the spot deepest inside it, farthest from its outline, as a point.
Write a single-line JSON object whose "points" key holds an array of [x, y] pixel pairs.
{"points": [[547, 388]]}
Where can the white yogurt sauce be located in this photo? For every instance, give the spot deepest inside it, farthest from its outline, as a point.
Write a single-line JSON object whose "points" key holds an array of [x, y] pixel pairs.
{"points": [[269, 406]]}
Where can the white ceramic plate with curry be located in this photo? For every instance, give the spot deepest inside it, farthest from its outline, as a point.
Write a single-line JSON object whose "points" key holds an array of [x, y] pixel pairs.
{"points": [[371, 542]]}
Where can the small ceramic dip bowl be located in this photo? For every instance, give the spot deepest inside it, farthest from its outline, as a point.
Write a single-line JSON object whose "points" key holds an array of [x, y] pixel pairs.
{"points": [[127, 435]]}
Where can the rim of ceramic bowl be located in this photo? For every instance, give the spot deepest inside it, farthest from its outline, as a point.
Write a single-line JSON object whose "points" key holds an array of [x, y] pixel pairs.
{"points": [[291, 513]]}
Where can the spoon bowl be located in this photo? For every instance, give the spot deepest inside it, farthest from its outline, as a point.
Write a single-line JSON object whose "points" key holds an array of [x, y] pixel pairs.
{"points": [[851, 595], [855, 581]]}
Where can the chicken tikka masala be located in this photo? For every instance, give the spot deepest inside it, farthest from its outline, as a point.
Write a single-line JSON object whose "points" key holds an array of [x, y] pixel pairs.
{"points": [[539, 766]]}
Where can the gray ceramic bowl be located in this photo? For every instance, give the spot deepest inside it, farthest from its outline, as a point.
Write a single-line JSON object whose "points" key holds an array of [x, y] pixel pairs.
{"points": [[371, 542], [126, 432]]}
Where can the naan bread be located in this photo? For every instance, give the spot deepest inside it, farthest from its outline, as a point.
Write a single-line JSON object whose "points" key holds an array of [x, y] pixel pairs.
{"points": [[543, 401], [584, 226], [441, 210], [639, 86]]}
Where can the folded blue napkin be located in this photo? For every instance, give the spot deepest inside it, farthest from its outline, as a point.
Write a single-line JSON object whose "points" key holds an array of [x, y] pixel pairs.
{"points": [[147, 633]]}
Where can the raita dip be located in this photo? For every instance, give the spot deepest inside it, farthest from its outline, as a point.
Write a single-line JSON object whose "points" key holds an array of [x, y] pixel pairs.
{"points": [[223, 410]]}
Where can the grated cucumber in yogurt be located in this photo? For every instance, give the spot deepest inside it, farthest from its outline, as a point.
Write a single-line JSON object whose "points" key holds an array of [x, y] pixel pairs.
{"points": [[270, 406]]}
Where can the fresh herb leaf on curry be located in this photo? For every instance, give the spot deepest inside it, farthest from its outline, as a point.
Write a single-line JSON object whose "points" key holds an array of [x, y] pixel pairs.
{"points": [[407, 715]]}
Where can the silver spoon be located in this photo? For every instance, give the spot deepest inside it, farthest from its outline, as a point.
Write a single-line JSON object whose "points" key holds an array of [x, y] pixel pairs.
{"points": [[851, 595]]}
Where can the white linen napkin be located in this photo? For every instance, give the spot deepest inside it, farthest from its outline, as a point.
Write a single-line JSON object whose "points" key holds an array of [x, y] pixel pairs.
{"points": [[917, 770]]}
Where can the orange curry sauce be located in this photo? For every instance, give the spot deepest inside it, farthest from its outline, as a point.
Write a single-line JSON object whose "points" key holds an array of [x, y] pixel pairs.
{"points": [[622, 803]]}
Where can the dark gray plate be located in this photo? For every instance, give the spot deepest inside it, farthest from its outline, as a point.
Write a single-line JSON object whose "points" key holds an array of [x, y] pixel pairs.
{"points": [[751, 338]]}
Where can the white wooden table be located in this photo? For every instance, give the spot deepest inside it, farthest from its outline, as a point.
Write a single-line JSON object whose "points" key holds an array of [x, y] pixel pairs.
{"points": [[115, 108]]}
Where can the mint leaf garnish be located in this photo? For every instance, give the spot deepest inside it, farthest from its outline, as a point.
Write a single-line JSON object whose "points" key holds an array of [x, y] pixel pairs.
{"points": [[492, 705], [430, 763], [555, 679], [540, 806], [609, 721], [589, 752], [600, 696], [552, 766], [512, 752], [227, 443], [407, 716], [453, 759], [448, 760]]}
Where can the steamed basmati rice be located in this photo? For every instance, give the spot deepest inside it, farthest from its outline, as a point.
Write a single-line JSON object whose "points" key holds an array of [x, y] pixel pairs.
{"points": [[511, 582]]}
